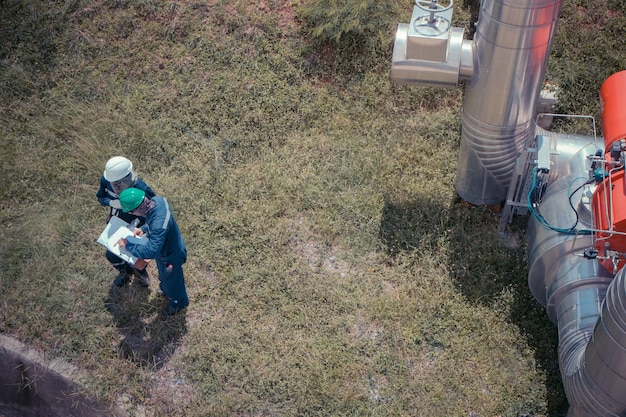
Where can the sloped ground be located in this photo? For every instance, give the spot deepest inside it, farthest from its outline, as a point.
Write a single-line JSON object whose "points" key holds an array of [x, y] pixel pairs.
{"points": [[34, 386]]}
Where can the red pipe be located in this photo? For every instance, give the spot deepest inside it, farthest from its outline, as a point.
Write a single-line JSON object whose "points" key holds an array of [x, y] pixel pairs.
{"points": [[613, 102]]}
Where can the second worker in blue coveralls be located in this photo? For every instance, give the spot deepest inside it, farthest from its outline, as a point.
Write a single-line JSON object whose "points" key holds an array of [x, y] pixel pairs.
{"points": [[165, 244], [119, 175]]}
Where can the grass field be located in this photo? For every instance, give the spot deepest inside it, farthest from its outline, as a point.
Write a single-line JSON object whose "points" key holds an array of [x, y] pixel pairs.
{"points": [[331, 271]]}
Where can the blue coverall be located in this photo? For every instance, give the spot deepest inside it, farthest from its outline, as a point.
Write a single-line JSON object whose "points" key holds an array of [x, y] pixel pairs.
{"points": [[167, 247], [105, 194]]}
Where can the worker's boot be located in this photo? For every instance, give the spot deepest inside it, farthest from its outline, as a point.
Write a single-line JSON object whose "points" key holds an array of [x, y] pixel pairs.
{"points": [[143, 277], [123, 277], [173, 309]]}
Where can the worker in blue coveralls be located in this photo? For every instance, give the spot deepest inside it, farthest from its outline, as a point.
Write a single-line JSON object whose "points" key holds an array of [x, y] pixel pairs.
{"points": [[119, 175], [165, 244]]}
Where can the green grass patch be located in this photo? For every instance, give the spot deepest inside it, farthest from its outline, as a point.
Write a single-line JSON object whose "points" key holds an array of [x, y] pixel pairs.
{"points": [[331, 269]]}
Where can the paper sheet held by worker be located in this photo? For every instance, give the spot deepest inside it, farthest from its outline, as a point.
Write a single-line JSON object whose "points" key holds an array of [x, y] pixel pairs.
{"points": [[115, 230]]}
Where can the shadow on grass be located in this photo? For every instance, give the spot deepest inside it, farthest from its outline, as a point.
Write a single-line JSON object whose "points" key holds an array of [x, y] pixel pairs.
{"points": [[483, 266], [148, 338]]}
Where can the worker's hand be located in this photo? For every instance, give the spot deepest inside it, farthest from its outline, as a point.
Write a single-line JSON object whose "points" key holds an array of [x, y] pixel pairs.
{"points": [[122, 243], [138, 232], [115, 204]]}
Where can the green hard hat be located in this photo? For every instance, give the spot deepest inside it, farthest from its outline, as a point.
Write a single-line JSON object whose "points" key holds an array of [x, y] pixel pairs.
{"points": [[131, 198]]}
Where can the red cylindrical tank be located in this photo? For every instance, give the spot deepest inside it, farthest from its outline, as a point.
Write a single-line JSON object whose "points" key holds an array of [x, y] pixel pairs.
{"points": [[609, 198], [613, 104], [609, 213]]}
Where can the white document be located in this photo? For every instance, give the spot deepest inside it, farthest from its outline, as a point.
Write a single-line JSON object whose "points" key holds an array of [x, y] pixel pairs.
{"points": [[115, 230]]}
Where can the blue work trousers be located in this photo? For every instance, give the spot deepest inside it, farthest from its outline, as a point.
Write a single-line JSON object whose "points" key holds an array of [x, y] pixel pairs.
{"points": [[172, 282], [118, 263]]}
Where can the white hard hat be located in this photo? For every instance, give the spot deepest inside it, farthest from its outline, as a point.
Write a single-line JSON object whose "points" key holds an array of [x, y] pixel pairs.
{"points": [[117, 168]]}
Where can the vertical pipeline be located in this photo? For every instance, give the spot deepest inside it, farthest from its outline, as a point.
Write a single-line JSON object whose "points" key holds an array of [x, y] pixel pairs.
{"points": [[511, 47]]}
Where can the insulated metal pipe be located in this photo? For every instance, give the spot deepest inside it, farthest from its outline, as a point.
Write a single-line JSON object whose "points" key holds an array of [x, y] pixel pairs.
{"points": [[511, 48], [581, 296], [557, 266], [595, 378]]}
